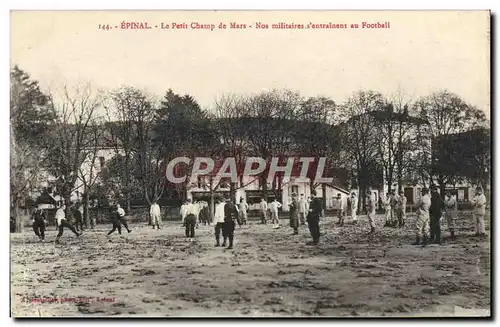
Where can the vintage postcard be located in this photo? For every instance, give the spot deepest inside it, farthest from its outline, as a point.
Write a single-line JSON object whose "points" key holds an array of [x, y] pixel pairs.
{"points": [[250, 164]]}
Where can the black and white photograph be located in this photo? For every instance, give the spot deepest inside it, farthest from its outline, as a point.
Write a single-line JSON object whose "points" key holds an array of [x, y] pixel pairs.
{"points": [[250, 164]]}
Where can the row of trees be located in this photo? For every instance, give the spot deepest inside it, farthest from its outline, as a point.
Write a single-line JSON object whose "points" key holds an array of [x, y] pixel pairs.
{"points": [[368, 135]]}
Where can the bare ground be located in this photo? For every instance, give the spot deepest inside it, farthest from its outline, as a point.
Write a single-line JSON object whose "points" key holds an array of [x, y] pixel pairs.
{"points": [[269, 273]]}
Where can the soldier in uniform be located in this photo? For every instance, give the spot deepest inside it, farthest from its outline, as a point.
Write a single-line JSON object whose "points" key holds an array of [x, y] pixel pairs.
{"points": [[479, 205], [294, 216], [230, 215], [422, 222], [436, 211], [354, 208], [341, 212], [39, 217], [303, 209], [78, 216], [62, 222], [388, 210], [315, 211], [401, 209], [371, 206], [450, 204], [243, 206]]}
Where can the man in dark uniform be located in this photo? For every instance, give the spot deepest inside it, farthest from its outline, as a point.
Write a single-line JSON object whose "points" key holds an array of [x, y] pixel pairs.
{"points": [[78, 216], [118, 219], [230, 214], [294, 214], [436, 210], [39, 217], [315, 210]]}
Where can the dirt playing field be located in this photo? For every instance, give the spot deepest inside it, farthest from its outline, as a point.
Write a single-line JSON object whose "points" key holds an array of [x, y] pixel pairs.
{"points": [[269, 273]]}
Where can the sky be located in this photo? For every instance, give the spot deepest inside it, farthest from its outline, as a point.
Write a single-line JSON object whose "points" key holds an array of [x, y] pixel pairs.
{"points": [[421, 52]]}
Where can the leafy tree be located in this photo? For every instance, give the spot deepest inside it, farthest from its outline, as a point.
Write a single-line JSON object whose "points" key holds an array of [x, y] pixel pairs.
{"points": [[30, 118], [446, 114]]}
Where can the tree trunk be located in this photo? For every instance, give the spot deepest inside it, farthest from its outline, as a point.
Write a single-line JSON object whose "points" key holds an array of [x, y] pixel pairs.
{"points": [[323, 189], [18, 216], [127, 199], [232, 192], [86, 215], [211, 206], [264, 187], [67, 201]]}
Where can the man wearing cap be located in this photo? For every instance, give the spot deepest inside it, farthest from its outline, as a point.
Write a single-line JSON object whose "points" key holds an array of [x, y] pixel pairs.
{"points": [[219, 216], [315, 211], [155, 213], [339, 205], [274, 209], [243, 207], [354, 208], [62, 222], [78, 216], [436, 211], [371, 206], [394, 208], [479, 205], [422, 223], [401, 209], [38, 218], [450, 206], [230, 215], [387, 207], [182, 212], [191, 214], [303, 209], [118, 219], [294, 215], [263, 210]]}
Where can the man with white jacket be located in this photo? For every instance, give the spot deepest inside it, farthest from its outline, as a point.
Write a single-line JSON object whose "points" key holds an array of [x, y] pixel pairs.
{"points": [[479, 210], [273, 208], [303, 209], [450, 207], [354, 208], [155, 213], [243, 208], [263, 210], [219, 216]]}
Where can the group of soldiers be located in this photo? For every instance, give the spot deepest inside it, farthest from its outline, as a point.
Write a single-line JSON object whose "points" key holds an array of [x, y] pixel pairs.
{"points": [[430, 208]]}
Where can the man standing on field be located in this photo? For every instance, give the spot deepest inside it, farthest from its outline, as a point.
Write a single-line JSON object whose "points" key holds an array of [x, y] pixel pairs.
{"points": [[479, 205], [315, 211], [371, 205], [422, 223], [303, 209]]}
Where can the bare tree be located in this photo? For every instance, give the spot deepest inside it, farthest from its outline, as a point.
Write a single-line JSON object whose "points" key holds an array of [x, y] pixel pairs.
{"points": [[120, 134], [88, 173], [270, 118], [446, 114], [73, 136], [317, 135], [359, 140], [149, 158], [228, 121]]}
